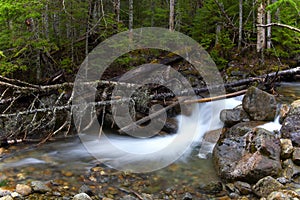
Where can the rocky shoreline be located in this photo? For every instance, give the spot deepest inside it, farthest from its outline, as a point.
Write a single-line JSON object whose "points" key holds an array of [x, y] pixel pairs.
{"points": [[252, 163]]}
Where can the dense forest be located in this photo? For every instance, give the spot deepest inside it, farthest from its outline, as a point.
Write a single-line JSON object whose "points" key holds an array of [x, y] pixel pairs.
{"points": [[40, 38]]}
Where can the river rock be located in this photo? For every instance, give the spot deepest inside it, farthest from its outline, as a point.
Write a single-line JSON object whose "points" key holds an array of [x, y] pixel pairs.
{"points": [[233, 116], [128, 197], [283, 195], [242, 128], [296, 156], [82, 196], [249, 157], [243, 187], [266, 185], [4, 192], [290, 170], [7, 197], [283, 111], [23, 189], [286, 148], [40, 187], [291, 124], [211, 188], [260, 105]]}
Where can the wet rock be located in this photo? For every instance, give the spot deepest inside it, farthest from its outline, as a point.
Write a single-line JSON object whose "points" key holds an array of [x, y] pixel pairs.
{"points": [[249, 157], [266, 185], [4, 192], [296, 156], [15, 195], [290, 170], [40, 187], [233, 116], [242, 128], [23, 189], [171, 125], [147, 196], [243, 187], [291, 125], [283, 111], [283, 195], [211, 188], [260, 105], [82, 196], [7, 197], [286, 148], [86, 189], [128, 197], [187, 196]]}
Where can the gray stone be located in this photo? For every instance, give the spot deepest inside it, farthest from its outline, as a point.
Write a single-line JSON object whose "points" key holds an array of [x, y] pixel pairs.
{"points": [[82, 196], [187, 196], [243, 187], [4, 192], [128, 197], [286, 148], [249, 157], [233, 116], [296, 156], [291, 124], [23, 189], [39, 186], [259, 105], [266, 185]]}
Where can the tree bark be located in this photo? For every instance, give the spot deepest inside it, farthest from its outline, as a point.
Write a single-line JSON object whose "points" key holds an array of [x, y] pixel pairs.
{"points": [[172, 15], [279, 25], [240, 23], [261, 36], [269, 29]]}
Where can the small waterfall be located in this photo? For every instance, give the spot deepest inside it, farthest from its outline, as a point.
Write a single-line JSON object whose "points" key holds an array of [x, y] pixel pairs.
{"points": [[149, 154]]}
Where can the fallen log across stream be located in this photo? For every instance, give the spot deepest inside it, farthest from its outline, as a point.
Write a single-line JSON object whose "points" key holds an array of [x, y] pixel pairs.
{"points": [[39, 112]]}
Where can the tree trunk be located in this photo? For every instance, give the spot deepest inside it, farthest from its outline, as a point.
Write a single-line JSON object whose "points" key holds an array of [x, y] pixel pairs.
{"points": [[172, 15], [117, 4], [269, 29], [261, 36], [130, 15], [240, 23]]}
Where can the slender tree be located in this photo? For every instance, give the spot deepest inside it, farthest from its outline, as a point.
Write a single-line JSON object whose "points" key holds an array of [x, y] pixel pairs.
{"points": [[240, 23], [172, 15]]}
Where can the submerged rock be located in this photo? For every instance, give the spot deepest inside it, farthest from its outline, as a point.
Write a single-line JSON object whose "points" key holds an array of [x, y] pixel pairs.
{"points": [[248, 157], [291, 124], [260, 105]]}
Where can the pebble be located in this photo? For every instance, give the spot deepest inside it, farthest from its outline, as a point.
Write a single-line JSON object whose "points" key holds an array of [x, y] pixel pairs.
{"points": [[23, 189], [7, 197], [39, 186], [82, 196]]}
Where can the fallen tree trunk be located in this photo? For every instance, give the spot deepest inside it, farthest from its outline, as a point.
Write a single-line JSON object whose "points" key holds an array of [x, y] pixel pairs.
{"points": [[29, 111]]}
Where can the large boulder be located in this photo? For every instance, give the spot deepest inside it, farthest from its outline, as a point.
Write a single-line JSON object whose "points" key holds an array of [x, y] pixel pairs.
{"points": [[247, 156], [259, 105], [291, 124]]}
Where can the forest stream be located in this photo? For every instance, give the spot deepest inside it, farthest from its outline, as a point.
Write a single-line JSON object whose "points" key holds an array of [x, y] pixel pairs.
{"points": [[69, 168]]}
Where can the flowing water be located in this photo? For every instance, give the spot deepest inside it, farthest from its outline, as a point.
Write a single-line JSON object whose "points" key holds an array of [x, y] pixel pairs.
{"points": [[69, 161]]}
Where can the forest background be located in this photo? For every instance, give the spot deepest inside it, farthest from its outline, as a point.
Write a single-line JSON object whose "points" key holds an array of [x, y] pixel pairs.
{"points": [[42, 38]]}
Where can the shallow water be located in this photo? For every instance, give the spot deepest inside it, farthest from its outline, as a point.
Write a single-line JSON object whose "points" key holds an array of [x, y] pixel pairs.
{"points": [[69, 161]]}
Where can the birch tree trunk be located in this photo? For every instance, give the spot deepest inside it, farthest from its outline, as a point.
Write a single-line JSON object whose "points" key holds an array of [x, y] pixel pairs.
{"points": [[269, 28], [117, 5], [240, 23], [172, 14], [261, 35]]}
